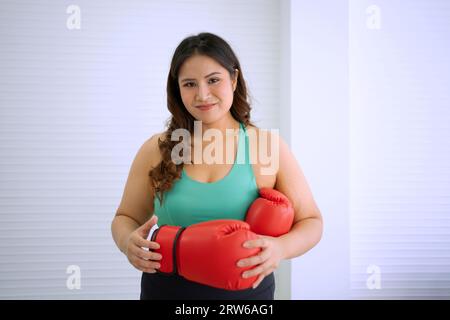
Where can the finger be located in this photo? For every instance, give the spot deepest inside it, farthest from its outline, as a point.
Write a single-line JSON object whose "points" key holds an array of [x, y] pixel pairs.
{"points": [[144, 230], [137, 257], [147, 264], [265, 268], [140, 242], [261, 242], [253, 272], [141, 253], [258, 281], [262, 276], [147, 255], [254, 260], [149, 270]]}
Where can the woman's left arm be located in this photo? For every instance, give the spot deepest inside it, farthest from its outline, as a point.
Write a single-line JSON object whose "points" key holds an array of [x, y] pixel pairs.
{"points": [[307, 228], [306, 231]]}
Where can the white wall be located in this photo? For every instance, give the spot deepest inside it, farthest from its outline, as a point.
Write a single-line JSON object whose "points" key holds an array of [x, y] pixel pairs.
{"points": [[319, 119]]}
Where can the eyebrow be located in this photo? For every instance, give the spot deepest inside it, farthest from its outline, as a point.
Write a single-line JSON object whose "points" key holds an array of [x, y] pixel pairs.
{"points": [[189, 79]]}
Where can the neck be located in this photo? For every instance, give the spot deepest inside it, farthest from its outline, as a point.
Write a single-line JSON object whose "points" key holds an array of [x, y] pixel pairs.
{"points": [[227, 122]]}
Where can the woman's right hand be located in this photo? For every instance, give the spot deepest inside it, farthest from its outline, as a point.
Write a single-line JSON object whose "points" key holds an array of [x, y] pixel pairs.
{"points": [[140, 258]]}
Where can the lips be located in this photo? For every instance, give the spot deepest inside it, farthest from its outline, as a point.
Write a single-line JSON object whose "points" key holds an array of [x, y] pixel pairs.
{"points": [[206, 106]]}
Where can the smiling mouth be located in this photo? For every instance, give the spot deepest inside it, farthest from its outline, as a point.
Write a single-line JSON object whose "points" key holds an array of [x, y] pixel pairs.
{"points": [[206, 106]]}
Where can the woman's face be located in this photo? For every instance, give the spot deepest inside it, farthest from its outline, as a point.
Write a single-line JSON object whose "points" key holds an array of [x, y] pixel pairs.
{"points": [[204, 82]]}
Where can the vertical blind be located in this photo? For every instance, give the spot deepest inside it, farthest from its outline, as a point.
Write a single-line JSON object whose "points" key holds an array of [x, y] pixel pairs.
{"points": [[400, 149]]}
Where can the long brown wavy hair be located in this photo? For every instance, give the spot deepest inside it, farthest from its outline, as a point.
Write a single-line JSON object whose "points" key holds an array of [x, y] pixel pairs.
{"points": [[167, 172]]}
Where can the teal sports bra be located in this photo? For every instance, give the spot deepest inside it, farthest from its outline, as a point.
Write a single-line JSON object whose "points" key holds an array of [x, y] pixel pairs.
{"points": [[190, 201]]}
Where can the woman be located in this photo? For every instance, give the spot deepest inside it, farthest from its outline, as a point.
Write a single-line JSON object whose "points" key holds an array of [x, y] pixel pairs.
{"points": [[206, 86]]}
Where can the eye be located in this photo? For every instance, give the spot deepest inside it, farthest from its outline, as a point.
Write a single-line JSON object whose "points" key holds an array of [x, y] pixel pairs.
{"points": [[191, 84], [188, 84]]}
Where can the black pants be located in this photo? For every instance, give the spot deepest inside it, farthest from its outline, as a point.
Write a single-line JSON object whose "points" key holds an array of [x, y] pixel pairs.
{"points": [[160, 286]]}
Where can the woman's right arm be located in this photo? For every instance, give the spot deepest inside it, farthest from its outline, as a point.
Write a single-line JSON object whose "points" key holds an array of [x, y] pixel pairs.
{"points": [[132, 222]]}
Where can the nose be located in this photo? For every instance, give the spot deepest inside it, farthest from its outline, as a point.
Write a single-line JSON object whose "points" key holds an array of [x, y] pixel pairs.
{"points": [[203, 92]]}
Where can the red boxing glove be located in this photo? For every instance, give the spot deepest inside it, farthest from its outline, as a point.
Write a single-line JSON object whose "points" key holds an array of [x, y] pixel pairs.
{"points": [[207, 252], [271, 214]]}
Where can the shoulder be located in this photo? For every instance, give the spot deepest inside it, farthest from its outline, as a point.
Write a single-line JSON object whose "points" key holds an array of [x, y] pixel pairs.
{"points": [[269, 139], [149, 151], [261, 133], [269, 150], [256, 133]]}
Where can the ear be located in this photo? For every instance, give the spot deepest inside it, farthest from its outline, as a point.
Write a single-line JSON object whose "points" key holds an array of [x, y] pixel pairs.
{"points": [[236, 72]]}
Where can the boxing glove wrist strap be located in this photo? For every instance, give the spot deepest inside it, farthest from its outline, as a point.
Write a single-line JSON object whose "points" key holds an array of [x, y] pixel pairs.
{"points": [[174, 248]]}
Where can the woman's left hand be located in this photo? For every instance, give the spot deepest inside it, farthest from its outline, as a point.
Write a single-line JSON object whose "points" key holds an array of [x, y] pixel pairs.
{"points": [[268, 259]]}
